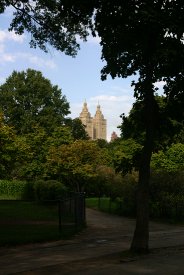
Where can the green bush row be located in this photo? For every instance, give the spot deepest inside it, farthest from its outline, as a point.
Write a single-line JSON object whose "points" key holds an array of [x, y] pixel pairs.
{"points": [[39, 190], [13, 189], [49, 190], [166, 195]]}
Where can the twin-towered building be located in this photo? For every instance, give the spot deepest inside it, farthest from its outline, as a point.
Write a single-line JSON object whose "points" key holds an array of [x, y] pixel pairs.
{"points": [[96, 126]]}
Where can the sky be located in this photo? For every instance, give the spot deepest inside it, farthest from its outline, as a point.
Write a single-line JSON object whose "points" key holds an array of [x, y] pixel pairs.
{"points": [[78, 78]]}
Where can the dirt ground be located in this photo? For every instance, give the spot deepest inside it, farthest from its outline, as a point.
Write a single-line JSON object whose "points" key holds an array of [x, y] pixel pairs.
{"points": [[98, 250]]}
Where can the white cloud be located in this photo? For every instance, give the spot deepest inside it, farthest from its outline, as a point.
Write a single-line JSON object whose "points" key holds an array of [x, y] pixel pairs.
{"points": [[5, 37], [8, 57], [12, 36], [25, 57], [1, 48], [38, 61], [110, 98]]}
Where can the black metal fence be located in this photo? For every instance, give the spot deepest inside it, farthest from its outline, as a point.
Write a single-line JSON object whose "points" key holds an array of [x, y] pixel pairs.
{"points": [[71, 211], [61, 214]]}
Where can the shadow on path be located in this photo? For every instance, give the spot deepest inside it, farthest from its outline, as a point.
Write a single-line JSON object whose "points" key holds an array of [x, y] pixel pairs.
{"points": [[97, 249]]}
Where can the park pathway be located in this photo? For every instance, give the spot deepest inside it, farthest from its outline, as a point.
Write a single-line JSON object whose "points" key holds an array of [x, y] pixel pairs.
{"points": [[96, 251]]}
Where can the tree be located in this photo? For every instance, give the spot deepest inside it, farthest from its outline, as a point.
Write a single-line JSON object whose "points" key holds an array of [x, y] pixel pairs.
{"points": [[76, 163], [137, 37], [8, 149], [126, 156], [169, 128], [144, 38], [77, 129], [33, 150], [52, 22], [171, 160], [27, 99]]}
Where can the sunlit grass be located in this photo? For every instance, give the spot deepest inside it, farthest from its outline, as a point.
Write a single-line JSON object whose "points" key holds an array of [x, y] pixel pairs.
{"points": [[103, 204]]}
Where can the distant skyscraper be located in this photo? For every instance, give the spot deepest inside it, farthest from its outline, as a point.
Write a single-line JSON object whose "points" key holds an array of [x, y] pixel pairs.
{"points": [[96, 126]]}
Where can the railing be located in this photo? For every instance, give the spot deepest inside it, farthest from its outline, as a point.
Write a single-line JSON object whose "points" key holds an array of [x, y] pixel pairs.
{"points": [[60, 215], [72, 211]]}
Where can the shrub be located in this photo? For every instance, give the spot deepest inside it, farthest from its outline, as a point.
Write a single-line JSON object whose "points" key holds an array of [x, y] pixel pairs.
{"points": [[49, 190], [127, 198], [167, 194], [15, 189]]}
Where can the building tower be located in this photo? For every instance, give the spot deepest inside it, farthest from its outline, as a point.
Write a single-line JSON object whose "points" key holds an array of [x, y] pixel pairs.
{"points": [[87, 120], [95, 127], [99, 125]]}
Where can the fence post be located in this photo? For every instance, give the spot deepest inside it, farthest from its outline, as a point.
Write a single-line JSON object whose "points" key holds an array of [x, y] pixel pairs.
{"points": [[80, 213], [59, 215], [76, 205], [84, 208]]}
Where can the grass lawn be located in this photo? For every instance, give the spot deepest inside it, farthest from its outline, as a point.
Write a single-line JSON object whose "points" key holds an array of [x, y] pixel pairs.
{"points": [[103, 204], [26, 222]]}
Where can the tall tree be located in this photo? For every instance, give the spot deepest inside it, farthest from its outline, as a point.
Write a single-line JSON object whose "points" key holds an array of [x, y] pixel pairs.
{"points": [[145, 39], [169, 128], [27, 99], [137, 37]]}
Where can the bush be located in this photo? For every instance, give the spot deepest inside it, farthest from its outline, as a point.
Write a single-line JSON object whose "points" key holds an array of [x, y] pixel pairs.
{"points": [[127, 197], [15, 189], [167, 194], [49, 190]]}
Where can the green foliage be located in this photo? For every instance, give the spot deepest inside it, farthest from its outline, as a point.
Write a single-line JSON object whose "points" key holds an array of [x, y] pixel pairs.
{"points": [[126, 155], [118, 194], [60, 135], [75, 163], [50, 23], [169, 129], [49, 190], [33, 149], [40, 190], [127, 197], [28, 100], [103, 204], [33, 120], [171, 160], [167, 195], [8, 148], [105, 183], [15, 189], [77, 129]]}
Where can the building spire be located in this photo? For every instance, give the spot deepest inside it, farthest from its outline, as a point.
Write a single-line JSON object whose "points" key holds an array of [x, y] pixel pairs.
{"points": [[95, 126]]}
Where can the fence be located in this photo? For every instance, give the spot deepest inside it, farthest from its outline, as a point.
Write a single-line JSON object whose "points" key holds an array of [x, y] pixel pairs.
{"points": [[41, 220], [72, 211]]}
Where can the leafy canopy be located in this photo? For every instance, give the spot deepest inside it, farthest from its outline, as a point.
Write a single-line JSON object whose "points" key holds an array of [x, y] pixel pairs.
{"points": [[27, 100], [77, 162]]}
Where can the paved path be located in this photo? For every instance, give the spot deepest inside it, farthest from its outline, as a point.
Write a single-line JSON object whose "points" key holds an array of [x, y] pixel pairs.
{"points": [[96, 251]]}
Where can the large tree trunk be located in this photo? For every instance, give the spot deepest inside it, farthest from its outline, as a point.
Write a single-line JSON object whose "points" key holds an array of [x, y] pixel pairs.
{"points": [[141, 235]]}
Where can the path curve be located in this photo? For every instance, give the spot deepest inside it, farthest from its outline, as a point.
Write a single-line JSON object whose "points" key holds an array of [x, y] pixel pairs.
{"points": [[93, 250]]}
